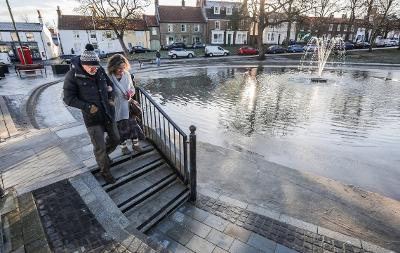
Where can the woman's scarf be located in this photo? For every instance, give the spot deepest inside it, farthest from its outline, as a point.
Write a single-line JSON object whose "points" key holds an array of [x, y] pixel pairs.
{"points": [[125, 81]]}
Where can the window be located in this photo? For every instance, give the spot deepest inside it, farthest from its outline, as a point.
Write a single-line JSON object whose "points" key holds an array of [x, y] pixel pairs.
{"points": [[217, 25], [228, 10], [153, 31], [76, 34], [108, 35], [29, 37], [272, 36], [92, 34], [14, 36], [197, 39], [345, 28], [228, 25], [352, 28], [170, 40], [170, 27], [331, 27], [338, 27], [218, 38], [241, 38], [197, 28], [350, 37], [268, 37], [217, 10], [183, 28]]}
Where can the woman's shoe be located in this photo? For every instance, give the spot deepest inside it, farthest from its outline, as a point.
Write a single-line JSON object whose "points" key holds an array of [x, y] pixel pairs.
{"points": [[136, 146], [125, 150]]}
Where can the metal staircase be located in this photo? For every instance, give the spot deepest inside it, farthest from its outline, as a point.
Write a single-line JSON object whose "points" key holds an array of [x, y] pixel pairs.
{"points": [[156, 181]]}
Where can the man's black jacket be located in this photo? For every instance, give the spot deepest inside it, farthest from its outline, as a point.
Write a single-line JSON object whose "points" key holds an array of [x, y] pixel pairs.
{"points": [[82, 90]]}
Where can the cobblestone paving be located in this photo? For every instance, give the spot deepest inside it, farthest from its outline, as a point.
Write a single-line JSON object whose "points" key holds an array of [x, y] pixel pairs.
{"points": [[68, 223], [290, 236]]}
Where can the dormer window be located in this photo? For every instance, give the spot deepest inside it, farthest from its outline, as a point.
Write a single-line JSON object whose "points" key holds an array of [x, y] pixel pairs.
{"points": [[217, 10], [228, 10]]}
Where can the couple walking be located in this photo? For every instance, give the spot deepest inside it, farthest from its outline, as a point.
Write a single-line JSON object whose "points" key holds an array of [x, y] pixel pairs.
{"points": [[105, 100]]}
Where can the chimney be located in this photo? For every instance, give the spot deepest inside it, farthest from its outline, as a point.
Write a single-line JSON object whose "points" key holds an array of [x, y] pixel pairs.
{"points": [[156, 3], [183, 3], [58, 11], [40, 17]]}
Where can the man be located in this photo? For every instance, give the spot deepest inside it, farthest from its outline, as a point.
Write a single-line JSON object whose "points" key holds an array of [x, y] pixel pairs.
{"points": [[88, 88], [158, 60]]}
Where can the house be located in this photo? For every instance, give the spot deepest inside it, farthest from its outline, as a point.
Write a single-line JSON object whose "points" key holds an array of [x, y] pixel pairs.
{"points": [[75, 31], [154, 29], [181, 24], [225, 25], [330, 27], [36, 36], [276, 31]]}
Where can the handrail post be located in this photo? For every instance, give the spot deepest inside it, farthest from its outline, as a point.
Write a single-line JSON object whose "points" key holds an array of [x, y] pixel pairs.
{"points": [[193, 172]]}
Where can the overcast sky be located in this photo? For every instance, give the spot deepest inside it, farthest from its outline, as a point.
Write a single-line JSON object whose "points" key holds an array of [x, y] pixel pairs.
{"points": [[48, 8]]}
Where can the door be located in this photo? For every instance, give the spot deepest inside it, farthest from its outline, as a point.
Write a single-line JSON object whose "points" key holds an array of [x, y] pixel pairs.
{"points": [[279, 39], [229, 39]]}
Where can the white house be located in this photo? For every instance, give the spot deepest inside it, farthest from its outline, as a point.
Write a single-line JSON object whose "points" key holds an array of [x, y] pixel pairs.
{"points": [[75, 31], [277, 33], [36, 36]]}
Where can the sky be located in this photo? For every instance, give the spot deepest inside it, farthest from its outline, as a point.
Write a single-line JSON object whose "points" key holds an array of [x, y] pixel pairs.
{"points": [[21, 8]]}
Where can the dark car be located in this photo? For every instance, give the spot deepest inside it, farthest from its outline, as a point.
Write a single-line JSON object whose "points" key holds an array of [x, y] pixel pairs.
{"points": [[348, 45], [361, 44], [247, 51], [139, 49], [295, 49], [176, 45], [276, 49], [198, 45]]}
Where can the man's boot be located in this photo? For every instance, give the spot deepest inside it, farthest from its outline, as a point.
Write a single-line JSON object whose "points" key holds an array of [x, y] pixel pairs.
{"points": [[108, 177]]}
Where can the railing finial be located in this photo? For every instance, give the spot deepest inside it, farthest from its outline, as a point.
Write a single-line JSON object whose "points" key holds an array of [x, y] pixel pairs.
{"points": [[192, 129]]}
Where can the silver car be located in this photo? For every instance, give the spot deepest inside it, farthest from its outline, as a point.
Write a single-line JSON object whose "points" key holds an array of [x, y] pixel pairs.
{"points": [[180, 52]]}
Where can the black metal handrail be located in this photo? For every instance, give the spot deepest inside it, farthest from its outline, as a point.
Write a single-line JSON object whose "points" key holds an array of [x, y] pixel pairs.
{"points": [[169, 139]]}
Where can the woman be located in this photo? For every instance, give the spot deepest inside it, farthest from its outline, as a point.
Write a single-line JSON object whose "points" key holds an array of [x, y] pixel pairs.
{"points": [[128, 127]]}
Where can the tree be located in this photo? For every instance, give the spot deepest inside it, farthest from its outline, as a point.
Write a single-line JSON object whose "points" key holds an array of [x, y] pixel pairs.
{"points": [[354, 6], [114, 13], [292, 10], [324, 11], [378, 12]]}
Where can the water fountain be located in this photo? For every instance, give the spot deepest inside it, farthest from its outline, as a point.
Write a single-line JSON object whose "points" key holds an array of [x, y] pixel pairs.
{"points": [[318, 51]]}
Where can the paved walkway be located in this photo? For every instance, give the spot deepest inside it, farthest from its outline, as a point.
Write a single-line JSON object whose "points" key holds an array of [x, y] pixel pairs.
{"points": [[7, 127]]}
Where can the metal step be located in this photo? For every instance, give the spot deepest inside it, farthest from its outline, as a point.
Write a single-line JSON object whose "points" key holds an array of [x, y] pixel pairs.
{"points": [[150, 211], [130, 190], [132, 167], [120, 159]]}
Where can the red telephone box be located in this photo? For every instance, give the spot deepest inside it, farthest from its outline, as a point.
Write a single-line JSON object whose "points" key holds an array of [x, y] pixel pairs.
{"points": [[27, 55]]}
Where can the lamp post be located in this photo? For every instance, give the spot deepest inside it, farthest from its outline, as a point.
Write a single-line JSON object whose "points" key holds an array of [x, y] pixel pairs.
{"points": [[15, 28]]}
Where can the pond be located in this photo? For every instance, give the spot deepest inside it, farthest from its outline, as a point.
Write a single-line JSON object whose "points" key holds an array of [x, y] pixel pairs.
{"points": [[347, 129]]}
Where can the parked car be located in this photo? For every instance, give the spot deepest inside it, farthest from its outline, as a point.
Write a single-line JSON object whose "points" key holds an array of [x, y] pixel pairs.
{"points": [[361, 44], [176, 45], [5, 59], [140, 49], [180, 52], [247, 51], [310, 48], [380, 43], [295, 49], [198, 45], [391, 42], [276, 49], [101, 53], [215, 50]]}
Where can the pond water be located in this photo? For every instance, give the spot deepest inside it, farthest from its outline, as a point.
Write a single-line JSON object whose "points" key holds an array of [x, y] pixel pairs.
{"points": [[347, 129]]}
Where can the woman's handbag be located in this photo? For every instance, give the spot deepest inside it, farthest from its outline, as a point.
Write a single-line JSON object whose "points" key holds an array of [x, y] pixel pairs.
{"points": [[134, 108]]}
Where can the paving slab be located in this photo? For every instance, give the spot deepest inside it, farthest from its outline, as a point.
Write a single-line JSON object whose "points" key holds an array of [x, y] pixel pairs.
{"points": [[191, 224], [220, 239], [240, 247], [237, 232], [216, 222], [200, 245], [261, 243]]}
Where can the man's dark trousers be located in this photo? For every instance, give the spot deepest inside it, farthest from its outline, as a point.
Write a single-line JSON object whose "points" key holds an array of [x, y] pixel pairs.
{"points": [[101, 147]]}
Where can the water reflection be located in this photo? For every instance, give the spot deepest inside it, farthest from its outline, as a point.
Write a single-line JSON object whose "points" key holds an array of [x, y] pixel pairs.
{"points": [[279, 102]]}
